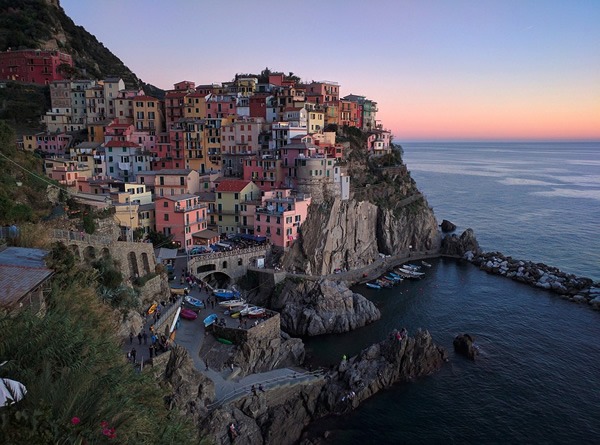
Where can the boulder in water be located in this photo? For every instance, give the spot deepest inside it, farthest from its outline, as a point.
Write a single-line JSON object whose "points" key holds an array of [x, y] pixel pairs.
{"points": [[463, 345], [447, 226]]}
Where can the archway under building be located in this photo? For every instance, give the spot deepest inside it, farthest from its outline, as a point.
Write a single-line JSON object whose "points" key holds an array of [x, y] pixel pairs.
{"points": [[134, 271], [89, 253], [145, 263], [218, 280], [75, 250]]}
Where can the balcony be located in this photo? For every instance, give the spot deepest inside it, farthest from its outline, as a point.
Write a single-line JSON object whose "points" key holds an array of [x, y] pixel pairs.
{"points": [[182, 209]]}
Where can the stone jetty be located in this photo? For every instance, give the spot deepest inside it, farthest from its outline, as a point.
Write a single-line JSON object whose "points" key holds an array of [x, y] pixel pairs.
{"points": [[569, 286]]}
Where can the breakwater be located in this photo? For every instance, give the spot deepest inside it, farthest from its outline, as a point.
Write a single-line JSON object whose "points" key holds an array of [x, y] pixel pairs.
{"points": [[569, 286]]}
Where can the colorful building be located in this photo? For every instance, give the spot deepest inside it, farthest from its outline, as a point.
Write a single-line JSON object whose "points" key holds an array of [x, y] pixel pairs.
{"points": [[34, 65], [230, 195], [181, 216], [280, 216]]}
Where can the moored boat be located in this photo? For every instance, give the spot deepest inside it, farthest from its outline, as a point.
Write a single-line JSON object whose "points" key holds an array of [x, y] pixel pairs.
{"points": [[226, 294], [230, 304], [192, 303], [425, 263], [257, 312], [210, 320], [374, 285]]}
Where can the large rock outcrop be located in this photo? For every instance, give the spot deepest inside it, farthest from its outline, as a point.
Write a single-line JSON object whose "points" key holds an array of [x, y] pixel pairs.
{"points": [[459, 245], [321, 307], [279, 415], [351, 234], [463, 345]]}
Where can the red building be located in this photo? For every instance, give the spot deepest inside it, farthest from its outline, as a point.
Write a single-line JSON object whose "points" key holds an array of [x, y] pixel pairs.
{"points": [[33, 65]]}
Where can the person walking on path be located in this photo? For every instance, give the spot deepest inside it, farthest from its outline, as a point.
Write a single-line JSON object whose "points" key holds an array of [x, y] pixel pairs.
{"points": [[206, 361], [131, 337], [133, 354], [145, 337], [139, 336]]}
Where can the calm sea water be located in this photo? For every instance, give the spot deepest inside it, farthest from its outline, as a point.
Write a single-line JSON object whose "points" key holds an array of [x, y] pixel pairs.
{"points": [[538, 376]]}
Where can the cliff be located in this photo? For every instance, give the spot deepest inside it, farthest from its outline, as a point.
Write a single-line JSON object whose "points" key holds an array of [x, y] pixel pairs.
{"points": [[321, 307], [280, 414], [386, 214]]}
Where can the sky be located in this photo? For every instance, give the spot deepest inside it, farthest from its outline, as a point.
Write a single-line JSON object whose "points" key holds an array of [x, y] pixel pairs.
{"points": [[439, 70]]}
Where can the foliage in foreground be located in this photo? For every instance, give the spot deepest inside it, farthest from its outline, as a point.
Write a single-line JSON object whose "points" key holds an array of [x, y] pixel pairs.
{"points": [[80, 390]]}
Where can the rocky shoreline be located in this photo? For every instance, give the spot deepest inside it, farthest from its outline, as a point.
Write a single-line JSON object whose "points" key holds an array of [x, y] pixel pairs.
{"points": [[571, 287]]}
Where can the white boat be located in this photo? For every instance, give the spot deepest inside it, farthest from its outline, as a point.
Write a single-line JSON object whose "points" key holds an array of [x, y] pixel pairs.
{"points": [[373, 286], [247, 309], [230, 304], [257, 312], [407, 273], [412, 267], [425, 263]]}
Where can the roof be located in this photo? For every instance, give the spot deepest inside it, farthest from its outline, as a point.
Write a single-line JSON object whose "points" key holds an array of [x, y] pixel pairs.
{"points": [[148, 98], [21, 271], [206, 196], [206, 234], [177, 197], [165, 254], [168, 171], [232, 185], [114, 143]]}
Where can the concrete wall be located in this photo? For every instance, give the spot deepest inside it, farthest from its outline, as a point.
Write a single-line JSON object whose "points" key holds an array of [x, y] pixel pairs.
{"points": [[266, 332]]}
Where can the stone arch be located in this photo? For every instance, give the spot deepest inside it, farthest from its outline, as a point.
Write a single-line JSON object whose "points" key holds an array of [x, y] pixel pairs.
{"points": [[218, 279], [105, 252], [206, 268], [75, 250], [133, 265], [89, 253]]}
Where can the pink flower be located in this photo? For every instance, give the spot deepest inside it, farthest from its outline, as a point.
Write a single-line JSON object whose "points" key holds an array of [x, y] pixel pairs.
{"points": [[104, 424], [109, 432], [75, 420]]}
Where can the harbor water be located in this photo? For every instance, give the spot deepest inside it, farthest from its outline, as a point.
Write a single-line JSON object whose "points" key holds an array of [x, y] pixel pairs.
{"points": [[537, 378]]}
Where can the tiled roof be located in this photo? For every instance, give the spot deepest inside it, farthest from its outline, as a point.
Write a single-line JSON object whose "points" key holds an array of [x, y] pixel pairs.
{"points": [[232, 185], [21, 271], [114, 143], [145, 98]]}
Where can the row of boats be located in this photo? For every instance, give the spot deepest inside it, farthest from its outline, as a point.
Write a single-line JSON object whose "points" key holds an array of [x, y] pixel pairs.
{"points": [[407, 271]]}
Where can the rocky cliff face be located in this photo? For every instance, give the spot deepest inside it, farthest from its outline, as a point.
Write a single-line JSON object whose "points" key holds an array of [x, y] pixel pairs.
{"points": [[385, 214], [350, 234], [279, 415], [321, 307]]}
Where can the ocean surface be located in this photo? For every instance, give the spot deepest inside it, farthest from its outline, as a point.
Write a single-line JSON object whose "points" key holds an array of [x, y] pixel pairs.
{"points": [[537, 379]]}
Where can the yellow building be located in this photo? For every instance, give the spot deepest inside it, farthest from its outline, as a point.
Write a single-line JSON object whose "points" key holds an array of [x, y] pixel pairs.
{"points": [[194, 106], [147, 114], [231, 195], [315, 120]]}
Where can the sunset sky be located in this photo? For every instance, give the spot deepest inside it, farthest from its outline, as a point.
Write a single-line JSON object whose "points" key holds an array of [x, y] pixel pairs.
{"points": [[439, 70]]}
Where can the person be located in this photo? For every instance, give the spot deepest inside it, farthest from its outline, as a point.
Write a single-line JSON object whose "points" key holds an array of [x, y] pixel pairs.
{"points": [[233, 430], [133, 354], [139, 336], [131, 337], [253, 390], [260, 387], [206, 361], [145, 337]]}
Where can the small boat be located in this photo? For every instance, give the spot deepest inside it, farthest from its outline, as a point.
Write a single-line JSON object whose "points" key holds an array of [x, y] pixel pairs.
{"points": [[257, 312], [412, 267], [230, 304], [246, 310], [193, 303], [383, 283], [179, 291], [392, 278], [373, 286], [426, 264], [395, 276], [226, 294], [411, 272], [210, 320], [224, 341], [188, 314], [152, 308], [236, 315]]}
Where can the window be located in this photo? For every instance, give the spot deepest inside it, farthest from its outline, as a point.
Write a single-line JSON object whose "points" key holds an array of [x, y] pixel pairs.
{"points": [[219, 195], [166, 204], [166, 215]]}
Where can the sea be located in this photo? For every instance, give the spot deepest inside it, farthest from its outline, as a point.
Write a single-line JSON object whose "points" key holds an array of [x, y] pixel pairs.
{"points": [[537, 378]]}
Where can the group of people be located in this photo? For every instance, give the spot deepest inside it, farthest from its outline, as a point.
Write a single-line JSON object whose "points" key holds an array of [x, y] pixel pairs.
{"points": [[158, 343]]}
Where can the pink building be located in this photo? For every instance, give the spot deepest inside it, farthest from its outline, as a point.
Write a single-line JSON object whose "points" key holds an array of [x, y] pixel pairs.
{"points": [[181, 216], [265, 173], [280, 216], [220, 106], [378, 141], [170, 182], [55, 144], [322, 92]]}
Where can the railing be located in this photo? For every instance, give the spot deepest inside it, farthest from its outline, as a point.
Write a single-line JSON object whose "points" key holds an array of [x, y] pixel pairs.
{"points": [[183, 209], [165, 316], [296, 377], [228, 253]]}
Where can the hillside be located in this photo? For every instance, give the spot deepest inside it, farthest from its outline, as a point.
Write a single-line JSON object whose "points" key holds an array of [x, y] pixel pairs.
{"points": [[44, 24]]}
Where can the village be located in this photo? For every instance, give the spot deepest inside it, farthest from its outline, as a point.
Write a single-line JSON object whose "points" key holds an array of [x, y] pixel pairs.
{"points": [[243, 158]]}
